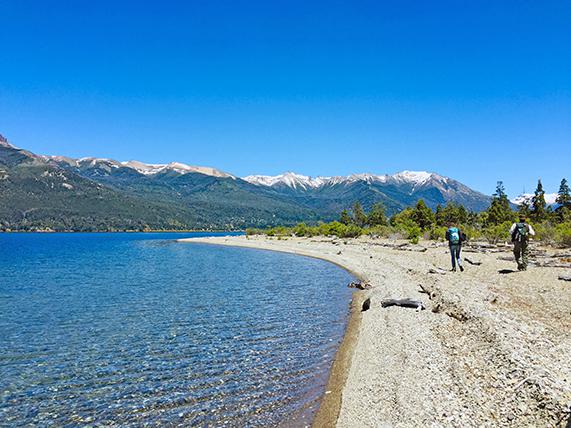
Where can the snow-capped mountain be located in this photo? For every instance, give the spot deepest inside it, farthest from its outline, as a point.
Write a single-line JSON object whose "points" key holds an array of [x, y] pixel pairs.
{"points": [[396, 191], [298, 181], [100, 192], [550, 198], [107, 165]]}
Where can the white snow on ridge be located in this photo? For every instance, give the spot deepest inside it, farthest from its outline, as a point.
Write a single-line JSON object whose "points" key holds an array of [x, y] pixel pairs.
{"points": [[181, 168], [416, 177], [289, 179], [527, 197], [294, 180]]}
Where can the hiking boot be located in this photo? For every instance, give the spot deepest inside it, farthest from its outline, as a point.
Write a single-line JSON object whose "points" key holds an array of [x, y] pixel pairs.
{"points": [[461, 269]]}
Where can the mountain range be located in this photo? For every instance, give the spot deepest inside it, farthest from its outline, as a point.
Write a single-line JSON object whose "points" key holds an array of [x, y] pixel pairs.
{"points": [[40, 192]]}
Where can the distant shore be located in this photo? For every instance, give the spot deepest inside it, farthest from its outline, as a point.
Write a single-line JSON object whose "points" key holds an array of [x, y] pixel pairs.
{"points": [[491, 348]]}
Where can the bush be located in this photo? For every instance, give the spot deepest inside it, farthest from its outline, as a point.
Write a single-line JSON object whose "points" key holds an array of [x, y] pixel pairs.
{"points": [[563, 234], [414, 233], [352, 231], [497, 233], [380, 231], [437, 233]]}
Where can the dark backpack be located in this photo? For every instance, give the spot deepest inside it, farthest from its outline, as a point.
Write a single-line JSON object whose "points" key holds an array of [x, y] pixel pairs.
{"points": [[521, 232]]}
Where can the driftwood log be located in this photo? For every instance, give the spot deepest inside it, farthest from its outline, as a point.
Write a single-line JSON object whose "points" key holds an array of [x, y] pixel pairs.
{"points": [[472, 262], [405, 303], [565, 277], [437, 270], [431, 294], [359, 285]]}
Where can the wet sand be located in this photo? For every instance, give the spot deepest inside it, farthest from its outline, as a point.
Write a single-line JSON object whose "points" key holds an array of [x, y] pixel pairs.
{"points": [[491, 349]]}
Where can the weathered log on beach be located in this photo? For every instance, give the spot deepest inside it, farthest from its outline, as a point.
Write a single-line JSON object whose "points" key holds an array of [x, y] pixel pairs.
{"points": [[437, 271], [359, 285], [416, 248], [424, 290], [405, 303], [475, 263], [551, 264], [565, 277]]}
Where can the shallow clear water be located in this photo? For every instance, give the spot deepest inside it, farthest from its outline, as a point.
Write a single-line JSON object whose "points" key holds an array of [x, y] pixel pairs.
{"points": [[136, 329]]}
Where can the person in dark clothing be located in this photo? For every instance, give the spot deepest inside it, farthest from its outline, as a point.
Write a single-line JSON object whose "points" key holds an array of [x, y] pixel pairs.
{"points": [[455, 237], [520, 233]]}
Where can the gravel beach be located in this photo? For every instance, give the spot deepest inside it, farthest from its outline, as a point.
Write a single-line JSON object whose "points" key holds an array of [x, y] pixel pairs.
{"points": [[492, 348]]}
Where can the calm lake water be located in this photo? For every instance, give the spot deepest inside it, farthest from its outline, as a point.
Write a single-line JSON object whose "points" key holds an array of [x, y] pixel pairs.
{"points": [[136, 329]]}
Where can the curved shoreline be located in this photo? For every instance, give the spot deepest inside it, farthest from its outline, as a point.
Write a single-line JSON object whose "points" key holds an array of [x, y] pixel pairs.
{"points": [[488, 351], [330, 404]]}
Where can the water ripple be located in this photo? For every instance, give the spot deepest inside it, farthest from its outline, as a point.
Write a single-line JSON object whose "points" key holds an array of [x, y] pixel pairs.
{"points": [[133, 330]]}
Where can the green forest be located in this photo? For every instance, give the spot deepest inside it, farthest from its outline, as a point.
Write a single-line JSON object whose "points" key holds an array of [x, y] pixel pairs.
{"points": [[552, 226]]}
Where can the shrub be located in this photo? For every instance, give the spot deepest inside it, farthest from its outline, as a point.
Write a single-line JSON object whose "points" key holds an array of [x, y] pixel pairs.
{"points": [[414, 233], [352, 231], [563, 234], [437, 233], [380, 231], [497, 233]]}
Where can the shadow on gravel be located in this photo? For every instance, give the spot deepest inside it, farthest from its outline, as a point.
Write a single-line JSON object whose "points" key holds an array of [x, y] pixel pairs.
{"points": [[506, 271]]}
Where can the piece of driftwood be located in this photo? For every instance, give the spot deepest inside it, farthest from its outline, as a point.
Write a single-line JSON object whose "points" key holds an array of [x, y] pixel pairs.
{"points": [[431, 294], [405, 303], [437, 270], [359, 285], [549, 263], [472, 262], [366, 305], [417, 249], [565, 277]]}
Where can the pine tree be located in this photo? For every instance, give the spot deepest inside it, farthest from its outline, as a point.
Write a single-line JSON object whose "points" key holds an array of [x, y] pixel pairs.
{"points": [[499, 210], [564, 194], [377, 216], [423, 216], [538, 205], [345, 218], [359, 216]]}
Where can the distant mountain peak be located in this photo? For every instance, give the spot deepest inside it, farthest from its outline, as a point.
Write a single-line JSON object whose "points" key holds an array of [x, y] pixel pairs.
{"points": [[181, 168], [4, 142], [296, 181], [527, 198]]}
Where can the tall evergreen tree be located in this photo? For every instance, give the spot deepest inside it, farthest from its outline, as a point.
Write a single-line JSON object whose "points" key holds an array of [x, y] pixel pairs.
{"points": [[538, 205], [345, 218], [423, 216], [377, 216], [359, 216], [564, 194], [499, 210]]}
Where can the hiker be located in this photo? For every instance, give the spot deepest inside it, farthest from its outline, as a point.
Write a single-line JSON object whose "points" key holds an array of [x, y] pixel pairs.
{"points": [[455, 237], [520, 233]]}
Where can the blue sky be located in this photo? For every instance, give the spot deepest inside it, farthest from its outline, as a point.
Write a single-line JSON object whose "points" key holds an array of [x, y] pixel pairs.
{"points": [[476, 90]]}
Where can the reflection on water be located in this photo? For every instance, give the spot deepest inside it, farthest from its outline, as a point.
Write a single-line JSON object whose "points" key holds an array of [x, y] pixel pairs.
{"points": [[133, 329]]}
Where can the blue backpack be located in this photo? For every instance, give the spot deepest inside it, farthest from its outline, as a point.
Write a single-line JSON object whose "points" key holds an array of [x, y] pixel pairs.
{"points": [[454, 235]]}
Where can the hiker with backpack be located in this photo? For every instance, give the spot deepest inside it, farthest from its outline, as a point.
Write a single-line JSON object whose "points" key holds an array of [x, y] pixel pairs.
{"points": [[520, 233], [455, 237]]}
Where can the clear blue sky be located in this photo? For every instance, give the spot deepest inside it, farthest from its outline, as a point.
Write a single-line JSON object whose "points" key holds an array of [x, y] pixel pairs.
{"points": [[476, 90]]}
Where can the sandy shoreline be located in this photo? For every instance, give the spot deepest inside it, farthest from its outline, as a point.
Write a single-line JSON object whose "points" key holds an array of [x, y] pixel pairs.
{"points": [[490, 350]]}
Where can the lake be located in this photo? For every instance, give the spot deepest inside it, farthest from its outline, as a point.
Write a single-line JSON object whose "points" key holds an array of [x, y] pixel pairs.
{"points": [[135, 329]]}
